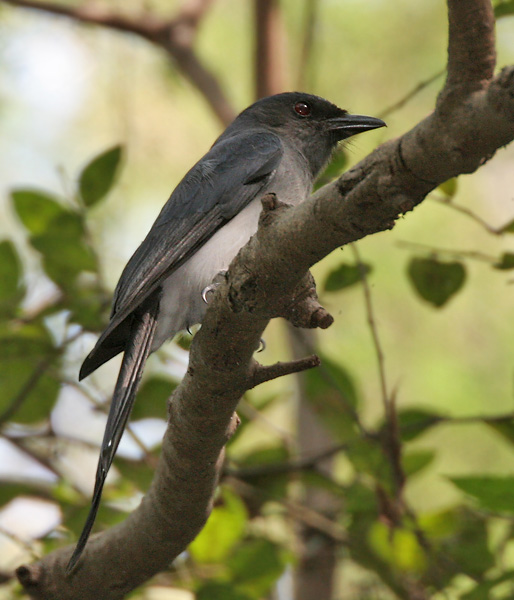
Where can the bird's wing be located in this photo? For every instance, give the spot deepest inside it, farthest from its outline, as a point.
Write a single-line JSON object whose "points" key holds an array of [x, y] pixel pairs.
{"points": [[217, 188]]}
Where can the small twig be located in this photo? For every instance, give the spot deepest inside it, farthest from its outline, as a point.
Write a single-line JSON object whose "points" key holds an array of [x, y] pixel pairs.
{"points": [[262, 373], [148, 458], [17, 402], [293, 466], [469, 213], [418, 88], [41, 368], [29, 547], [35, 456], [473, 254], [331, 529], [251, 413], [374, 330]]}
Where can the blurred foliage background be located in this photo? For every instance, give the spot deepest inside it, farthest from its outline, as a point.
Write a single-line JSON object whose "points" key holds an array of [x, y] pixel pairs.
{"points": [[365, 478]]}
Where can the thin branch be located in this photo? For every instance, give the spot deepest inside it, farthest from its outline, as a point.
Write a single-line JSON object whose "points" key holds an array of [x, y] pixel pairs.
{"points": [[469, 213], [392, 444], [379, 353], [264, 373], [305, 463], [35, 456], [175, 36], [410, 95], [40, 369], [332, 529], [19, 399], [472, 254]]}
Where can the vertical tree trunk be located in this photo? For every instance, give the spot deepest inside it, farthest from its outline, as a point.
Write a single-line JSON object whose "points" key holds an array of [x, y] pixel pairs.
{"points": [[315, 572], [269, 46]]}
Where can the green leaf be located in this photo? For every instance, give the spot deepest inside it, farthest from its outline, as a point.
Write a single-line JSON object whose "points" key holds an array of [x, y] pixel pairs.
{"points": [[152, 398], [99, 175], [414, 421], [436, 281], [506, 262], [88, 306], [215, 590], [10, 490], [224, 528], [509, 227], [273, 483], [333, 396], [29, 392], [138, 472], [490, 493], [334, 168], [12, 289], [504, 9], [398, 547], [484, 589], [468, 547], [440, 525], [36, 209], [64, 252], [367, 456], [504, 427], [449, 187], [415, 461], [256, 565], [344, 276]]}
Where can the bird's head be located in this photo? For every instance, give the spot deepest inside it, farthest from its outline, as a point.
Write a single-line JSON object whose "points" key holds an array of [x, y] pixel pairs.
{"points": [[309, 123]]}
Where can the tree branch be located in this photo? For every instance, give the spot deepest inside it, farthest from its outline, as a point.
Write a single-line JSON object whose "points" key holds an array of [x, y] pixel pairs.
{"points": [[457, 138], [175, 36]]}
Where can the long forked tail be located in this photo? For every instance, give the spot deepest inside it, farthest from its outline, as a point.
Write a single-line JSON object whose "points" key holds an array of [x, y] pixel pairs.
{"points": [[138, 348]]}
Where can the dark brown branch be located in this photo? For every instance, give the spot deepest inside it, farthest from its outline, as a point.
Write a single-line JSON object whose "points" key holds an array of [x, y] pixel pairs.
{"points": [[268, 49], [175, 36], [471, 46], [264, 373]]}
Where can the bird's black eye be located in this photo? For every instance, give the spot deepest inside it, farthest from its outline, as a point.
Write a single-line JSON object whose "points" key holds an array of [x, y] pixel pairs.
{"points": [[302, 108]]}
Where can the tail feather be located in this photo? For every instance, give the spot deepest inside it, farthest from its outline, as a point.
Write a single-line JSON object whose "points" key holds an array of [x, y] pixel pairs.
{"points": [[138, 348]]}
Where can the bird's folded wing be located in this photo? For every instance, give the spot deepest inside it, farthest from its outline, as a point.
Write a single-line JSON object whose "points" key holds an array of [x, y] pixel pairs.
{"points": [[217, 188]]}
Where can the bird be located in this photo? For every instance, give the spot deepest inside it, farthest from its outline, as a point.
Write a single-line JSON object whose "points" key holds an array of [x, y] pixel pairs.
{"points": [[278, 144]]}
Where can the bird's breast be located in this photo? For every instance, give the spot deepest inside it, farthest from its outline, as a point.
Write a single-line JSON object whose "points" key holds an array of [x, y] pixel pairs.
{"points": [[182, 305]]}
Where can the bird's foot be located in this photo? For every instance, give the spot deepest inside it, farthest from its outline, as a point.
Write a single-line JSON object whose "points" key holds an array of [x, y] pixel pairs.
{"points": [[211, 288]]}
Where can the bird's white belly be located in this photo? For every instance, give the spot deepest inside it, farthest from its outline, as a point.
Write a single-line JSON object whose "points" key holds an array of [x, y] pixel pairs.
{"points": [[182, 304]]}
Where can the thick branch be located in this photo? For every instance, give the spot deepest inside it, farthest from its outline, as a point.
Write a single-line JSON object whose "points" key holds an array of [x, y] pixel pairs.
{"points": [[471, 47]]}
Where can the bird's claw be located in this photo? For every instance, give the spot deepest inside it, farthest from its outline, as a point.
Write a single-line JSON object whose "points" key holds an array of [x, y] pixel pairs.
{"points": [[262, 345], [213, 286]]}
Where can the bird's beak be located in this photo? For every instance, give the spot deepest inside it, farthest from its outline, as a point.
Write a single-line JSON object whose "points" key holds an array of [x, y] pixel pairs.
{"points": [[348, 125]]}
